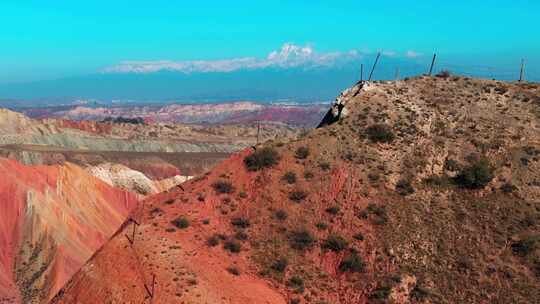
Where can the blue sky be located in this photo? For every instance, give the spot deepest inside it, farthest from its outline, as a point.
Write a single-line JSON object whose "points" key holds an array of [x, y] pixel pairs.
{"points": [[53, 39]]}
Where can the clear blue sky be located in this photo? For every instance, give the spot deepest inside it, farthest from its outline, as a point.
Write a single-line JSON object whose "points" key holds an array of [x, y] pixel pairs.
{"points": [[57, 38]]}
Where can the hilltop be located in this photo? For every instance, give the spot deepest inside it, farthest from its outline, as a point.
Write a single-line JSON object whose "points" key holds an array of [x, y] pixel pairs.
{"points": [[419, 191]]}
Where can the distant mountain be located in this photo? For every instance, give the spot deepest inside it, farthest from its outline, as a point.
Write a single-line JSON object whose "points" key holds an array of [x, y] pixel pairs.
{"points": [[301, 83]]}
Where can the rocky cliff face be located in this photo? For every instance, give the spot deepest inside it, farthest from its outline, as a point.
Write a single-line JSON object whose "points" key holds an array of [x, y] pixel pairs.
{"points": [[134, 181], [53, 219], [427, 191]]}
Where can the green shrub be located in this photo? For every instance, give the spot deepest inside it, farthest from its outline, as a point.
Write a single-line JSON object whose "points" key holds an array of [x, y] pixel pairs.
{"points": [[280, 264], [233, 270], [302, 153], [308, 175], [262, 158], [380, 216], [297, 196], [359, 236], [301, 239], [380, 133], [352, 263], [297, 283], [240, 222], [451, 165], [381, 293], [419, 293], [508, 188], [212, 241], [526, 246], [444, 74], [241, 236], [332, 210], [475, 176], [181, 222], [289, 177], [325, 166], [321, 226], [232, 246], [404, 187], [335, 243], [223, 186], [281, 215]]}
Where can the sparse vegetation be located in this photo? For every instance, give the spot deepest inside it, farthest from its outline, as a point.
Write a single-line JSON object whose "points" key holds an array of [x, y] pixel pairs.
{"points": [[359, 236], [181, 222], [334, 210], [223, 186], [302, 153], [526, 245], [325, 166], [240, 222], [321, 226], [213, 241], [378, 212], [380, 133], [381, 293], [266, 157], [297, 195], [289, 177], [444, 74], [404, 187], [335, 243], [280, 264], [301, 239], [296, 283], [281, 215], [419, 293], [308, 175], [241, 236], [232, 246], [508, 188], [233, 270], [475, 176], [352, 263]]}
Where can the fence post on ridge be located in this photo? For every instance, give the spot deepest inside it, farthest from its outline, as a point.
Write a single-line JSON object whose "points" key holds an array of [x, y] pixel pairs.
{"points": [[374, 65], [432, 65], [522, 71]]}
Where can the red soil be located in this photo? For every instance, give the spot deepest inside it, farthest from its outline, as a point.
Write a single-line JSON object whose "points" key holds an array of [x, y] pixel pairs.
{"points": [[53, 219]]}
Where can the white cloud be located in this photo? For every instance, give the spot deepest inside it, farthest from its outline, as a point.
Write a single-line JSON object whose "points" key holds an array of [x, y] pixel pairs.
{"points": [[412, 54], [389, 53], [290, 55]]}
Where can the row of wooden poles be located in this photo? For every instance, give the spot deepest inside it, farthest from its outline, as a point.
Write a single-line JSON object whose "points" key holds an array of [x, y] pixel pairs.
{"points": [[430, 73]]}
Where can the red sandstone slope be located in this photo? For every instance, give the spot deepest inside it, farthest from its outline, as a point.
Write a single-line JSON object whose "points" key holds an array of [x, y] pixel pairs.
{"points": [[53, 218], [424, 191]]}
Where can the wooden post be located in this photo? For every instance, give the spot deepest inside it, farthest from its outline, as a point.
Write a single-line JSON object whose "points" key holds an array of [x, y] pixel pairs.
{"points": [[153, 284], [432, 65], [522, 71], [397, 73], [258, 130], [135, 224], [374, 65]]}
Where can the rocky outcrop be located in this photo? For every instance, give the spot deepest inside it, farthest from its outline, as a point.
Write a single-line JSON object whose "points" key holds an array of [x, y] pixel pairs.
{"points": [[127, 179], [339, 108]]}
